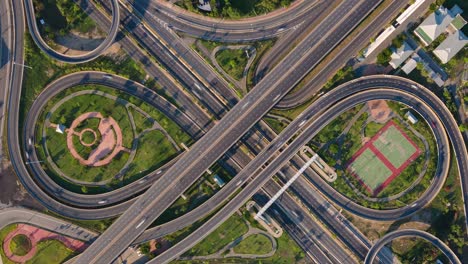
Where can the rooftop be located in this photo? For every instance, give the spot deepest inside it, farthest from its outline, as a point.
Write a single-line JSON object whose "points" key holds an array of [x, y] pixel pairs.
{"points": [[400, 55], [451, 46], [436, 23], [458, 22], [409, 66]]}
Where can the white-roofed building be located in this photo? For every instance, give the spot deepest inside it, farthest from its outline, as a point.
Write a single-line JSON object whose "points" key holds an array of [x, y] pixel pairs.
{"points": [[60, 128], [436, 23], [400, 55], [450, 46], [409, 66], [411, 117]]}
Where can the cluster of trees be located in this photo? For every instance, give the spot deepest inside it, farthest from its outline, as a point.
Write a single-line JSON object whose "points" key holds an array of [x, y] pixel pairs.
{"points": [[61, 16], [238, 8], [384, 57], [343, 75], [449, 102]]}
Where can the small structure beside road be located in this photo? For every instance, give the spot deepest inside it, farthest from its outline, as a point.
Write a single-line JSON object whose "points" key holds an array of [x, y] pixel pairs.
{"points": [[411, 117]]}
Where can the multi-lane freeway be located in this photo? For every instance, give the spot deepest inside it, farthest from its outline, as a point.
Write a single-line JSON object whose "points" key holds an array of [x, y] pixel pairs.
{"points": [[224, 134]]}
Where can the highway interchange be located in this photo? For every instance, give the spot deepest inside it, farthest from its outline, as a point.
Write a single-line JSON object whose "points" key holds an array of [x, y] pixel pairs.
{"points": [[235, 122]]}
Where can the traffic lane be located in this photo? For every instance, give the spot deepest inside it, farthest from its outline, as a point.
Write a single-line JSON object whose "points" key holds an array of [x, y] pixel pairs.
{"points": [[118, 83], [6, 44], [14, 215], [226, 30], [270, 170], [299, 97], [167, 84], [287, 41], [344, 91], [159, 194], [36, 35], [320, 208], [302, 238], [411, 233], [300, 218], [190, 58]]}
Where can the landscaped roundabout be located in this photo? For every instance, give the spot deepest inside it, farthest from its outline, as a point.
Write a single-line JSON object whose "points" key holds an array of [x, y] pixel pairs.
{"points": [[383, 153], [103, 139]]}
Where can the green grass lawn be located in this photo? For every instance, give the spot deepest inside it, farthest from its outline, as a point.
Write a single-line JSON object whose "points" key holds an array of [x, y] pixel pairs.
{"points": [[275, 124], [153, 151], [161, 151], [20, 245], [254, 244], [3, 233], [51, 252], [235, 9], [352, 143], [88, 137], [81, 104], [61, 16], [46, 70], [233, 61], [57, 146], [233, 228], [48, 251], [372, 128], [141, 122], [288, 252]]}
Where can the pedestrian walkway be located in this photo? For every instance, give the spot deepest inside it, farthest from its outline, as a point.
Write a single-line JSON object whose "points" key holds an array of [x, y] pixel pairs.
{"points": [[36, 235]]}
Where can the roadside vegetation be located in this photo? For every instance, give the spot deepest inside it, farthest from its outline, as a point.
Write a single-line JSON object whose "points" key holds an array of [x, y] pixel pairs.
{"points": [[254, 244], [62, 16], [384, 57], [45, 70], [235, 9], [275, 124], [233, 61], [287, 252], [337, 153], [48, 251], [447, 221], [198, 193], [232, 64], [20, 245], [153, 149]]}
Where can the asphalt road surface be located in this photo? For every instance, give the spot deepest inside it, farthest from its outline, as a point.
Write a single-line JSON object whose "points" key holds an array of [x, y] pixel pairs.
{"points": [[225, 133], [411, 233], [36, 35]]}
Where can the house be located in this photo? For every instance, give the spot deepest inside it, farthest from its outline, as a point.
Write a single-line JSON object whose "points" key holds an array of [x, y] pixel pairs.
{"points": [[400, 55], [436, 23], [451, 46], [409, 66]]}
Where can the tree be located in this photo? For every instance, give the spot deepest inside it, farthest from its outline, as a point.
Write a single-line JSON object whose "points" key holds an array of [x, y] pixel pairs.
{"points": [[145, 248], [84, 189], [463, 127], [384, 57]]}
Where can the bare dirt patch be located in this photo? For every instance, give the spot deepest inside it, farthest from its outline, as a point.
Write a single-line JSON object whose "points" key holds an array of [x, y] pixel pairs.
{"points": [[379, 110]]}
